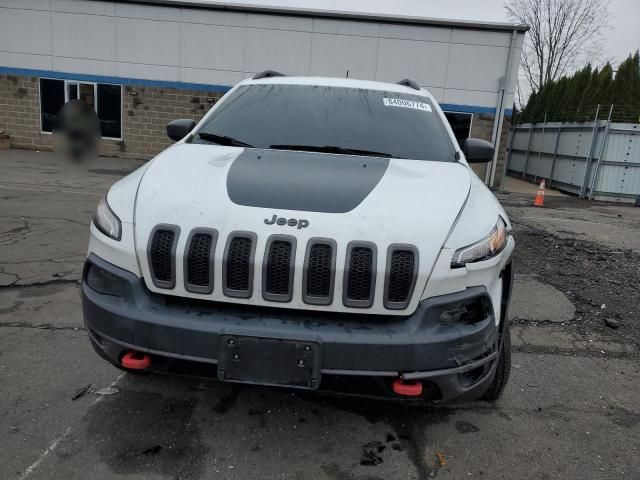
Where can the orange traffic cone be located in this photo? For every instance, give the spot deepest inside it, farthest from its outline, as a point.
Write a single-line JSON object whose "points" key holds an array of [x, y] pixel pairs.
{"points": [[539, 200]]}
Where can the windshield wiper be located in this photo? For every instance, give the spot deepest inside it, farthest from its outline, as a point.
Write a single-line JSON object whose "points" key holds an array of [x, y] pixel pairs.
{"points": [[223, 140], [332, 149]]}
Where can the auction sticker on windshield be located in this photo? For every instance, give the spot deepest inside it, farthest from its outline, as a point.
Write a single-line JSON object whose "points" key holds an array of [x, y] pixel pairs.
{"points": [[399, 102]]}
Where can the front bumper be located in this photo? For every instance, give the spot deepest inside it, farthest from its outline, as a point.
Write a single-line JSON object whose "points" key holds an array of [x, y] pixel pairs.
{"points": [[456, 359]]}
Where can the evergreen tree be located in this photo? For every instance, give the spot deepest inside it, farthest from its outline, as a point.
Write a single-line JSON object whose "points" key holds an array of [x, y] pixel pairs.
{"points": [[575, 97], [626, 86]]}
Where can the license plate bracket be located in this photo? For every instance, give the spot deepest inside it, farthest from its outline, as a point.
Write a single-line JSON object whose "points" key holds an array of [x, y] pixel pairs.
{"points": [[269, 361]]}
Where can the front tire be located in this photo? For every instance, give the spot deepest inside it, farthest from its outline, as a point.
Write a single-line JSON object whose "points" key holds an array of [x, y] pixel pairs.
{"points": [[503, 368]]}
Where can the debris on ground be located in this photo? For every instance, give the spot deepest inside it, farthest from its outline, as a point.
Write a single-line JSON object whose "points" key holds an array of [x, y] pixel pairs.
{"points": [[371, 454], [441, 460], [152, 451], [111, 390], [81, 392], [611, 323], [147, 451]]}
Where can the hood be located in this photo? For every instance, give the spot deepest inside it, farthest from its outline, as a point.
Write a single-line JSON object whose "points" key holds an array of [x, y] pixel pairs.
{"points": [[340, 197]]}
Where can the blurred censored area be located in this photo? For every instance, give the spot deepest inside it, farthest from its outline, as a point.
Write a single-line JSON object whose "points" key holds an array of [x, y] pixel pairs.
{"points": [[76, 131]]}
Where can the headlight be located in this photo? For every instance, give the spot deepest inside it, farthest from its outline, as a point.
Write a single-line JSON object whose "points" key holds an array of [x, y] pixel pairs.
{"points": [[488, 247], [106, 221]]}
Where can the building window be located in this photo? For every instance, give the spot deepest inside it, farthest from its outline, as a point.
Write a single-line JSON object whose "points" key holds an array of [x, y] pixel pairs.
{"points": [[460, 124], [110, 110], [105, 98], [51, 101]]}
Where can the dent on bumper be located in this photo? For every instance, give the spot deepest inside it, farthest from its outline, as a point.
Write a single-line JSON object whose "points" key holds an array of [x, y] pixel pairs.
{"points": [[418, 346]]}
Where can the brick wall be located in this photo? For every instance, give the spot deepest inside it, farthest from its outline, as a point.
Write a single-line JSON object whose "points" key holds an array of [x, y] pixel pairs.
{"points": [[481, 127], [145, 113], [502, 152], [20, 111], [147, 110]]}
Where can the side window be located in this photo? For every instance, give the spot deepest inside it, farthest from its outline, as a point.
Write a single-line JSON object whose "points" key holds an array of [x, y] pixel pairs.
{"points": [[52, 99], [460, 124]]}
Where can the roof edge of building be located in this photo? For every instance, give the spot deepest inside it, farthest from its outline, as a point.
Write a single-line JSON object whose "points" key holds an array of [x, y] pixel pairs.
{"points": [[344, 15]]}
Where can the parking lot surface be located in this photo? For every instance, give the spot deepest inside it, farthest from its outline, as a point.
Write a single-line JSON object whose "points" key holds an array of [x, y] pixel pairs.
{"points": [[571, 410]]}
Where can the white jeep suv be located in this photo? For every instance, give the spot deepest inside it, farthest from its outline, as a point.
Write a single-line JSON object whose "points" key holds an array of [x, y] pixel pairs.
{"points": [[311, 233]]}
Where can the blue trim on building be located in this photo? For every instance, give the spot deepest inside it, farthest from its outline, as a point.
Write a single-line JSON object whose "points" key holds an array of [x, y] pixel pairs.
{"points": [[119, 80], [452, 107], [449, 107]]}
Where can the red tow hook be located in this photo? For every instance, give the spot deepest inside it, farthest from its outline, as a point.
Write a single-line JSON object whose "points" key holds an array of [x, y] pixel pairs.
{"points": [[136, 360], [407, 389]]}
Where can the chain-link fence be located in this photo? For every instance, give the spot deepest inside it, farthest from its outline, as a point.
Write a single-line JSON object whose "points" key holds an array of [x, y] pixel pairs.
{"points": [[616, 113]]}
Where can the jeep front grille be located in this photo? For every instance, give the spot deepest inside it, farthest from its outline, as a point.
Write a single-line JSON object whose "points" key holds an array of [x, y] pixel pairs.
{"points": [[401, 276], [359, 276], [162, 249], [279, 261], [199, 258], [277, 271], [238, 265]]}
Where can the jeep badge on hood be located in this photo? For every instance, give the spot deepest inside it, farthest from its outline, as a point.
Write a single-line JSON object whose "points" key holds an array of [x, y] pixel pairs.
{"points": [[292, 222]]}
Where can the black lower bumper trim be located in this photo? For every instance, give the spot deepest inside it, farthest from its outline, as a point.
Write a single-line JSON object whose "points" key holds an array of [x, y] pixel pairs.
{"points": [[418, 346]]}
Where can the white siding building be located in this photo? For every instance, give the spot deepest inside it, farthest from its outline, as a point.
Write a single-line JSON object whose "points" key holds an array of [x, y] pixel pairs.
{"points": [[186, 47]]}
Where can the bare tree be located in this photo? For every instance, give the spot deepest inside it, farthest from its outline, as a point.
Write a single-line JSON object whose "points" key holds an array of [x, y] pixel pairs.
{"points": [[563, 34]]}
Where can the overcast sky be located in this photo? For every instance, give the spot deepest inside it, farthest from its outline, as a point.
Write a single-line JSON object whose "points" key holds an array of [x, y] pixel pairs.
{"points": [[622, 38]]}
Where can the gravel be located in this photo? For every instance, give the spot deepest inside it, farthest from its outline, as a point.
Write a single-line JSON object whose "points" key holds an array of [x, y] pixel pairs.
{"points": [[602, 282]]}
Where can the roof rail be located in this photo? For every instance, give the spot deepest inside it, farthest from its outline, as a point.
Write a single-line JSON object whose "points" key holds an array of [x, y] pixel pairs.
{"points": [[267, 74], [407, 82]]}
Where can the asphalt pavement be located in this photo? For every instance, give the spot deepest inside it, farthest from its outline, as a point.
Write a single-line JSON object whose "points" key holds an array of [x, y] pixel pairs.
{"points": [[571, 410]]}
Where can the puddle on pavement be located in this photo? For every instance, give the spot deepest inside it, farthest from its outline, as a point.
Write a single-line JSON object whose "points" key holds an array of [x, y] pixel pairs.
{"points": [[409, 428], [189, 428], [136, 432]]}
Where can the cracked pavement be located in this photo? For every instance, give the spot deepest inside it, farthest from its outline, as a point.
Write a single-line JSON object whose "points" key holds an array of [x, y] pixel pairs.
{"points": [[571, 410]]}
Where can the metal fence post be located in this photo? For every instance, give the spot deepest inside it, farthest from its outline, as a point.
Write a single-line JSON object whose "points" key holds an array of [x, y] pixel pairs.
{"points": [[507, 160], [555, 155], [526, 158], [544, 126], [594, 140], [594, 183]]}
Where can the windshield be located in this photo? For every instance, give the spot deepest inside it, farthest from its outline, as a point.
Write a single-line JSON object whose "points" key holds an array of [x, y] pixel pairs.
{"points": [[330, 119]]}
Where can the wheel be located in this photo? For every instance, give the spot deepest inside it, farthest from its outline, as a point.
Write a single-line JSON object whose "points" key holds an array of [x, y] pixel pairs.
{"points": [[503, 368]]}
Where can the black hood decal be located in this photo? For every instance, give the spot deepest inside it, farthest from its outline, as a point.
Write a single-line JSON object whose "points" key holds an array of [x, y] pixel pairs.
{"points": [[306, 181]]}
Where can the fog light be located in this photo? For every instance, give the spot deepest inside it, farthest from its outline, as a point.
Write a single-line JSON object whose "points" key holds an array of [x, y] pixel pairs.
{"points": [[467, 311], [471, 377], [103, 282]]}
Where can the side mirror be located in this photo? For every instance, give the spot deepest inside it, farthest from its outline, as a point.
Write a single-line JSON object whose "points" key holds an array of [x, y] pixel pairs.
{"points": [[178, 129], [477, 151]]}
